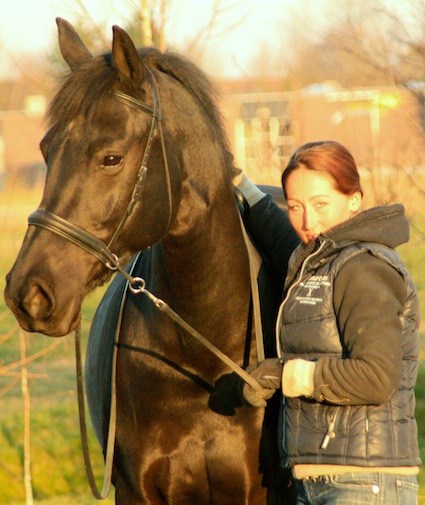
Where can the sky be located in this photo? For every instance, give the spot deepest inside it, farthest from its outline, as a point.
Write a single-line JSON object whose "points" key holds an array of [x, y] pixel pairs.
{"points": [[28, 26]]}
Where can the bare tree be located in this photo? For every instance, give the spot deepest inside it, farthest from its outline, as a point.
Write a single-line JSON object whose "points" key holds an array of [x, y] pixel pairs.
{"points": [[145, 23], [365, 43], [15, 372], [151, 25]]}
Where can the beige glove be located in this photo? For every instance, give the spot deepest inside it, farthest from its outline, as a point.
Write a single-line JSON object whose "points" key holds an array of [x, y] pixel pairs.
{"points": [[297, 378], [268, 374]]}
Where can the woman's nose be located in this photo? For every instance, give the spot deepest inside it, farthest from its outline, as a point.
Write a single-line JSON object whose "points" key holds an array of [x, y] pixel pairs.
{"points": [[309, 219]]}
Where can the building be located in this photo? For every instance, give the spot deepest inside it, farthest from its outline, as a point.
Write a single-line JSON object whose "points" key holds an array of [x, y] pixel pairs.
{"points": [[20, 134], [381, 126]]}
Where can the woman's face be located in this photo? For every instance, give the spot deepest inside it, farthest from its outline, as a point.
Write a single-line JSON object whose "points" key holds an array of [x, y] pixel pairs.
{"points": [[315, 205]]}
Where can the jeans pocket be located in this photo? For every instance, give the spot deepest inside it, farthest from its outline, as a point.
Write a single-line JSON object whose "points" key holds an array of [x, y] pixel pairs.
{"points": [[407, 490], [353, 480], [352, 488]]}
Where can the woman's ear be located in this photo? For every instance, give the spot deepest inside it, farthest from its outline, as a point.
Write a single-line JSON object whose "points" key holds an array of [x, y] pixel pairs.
{"points": [[355, 202]]}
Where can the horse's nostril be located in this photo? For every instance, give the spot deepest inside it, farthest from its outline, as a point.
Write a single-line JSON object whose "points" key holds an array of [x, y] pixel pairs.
{"points": [[37, 303]]}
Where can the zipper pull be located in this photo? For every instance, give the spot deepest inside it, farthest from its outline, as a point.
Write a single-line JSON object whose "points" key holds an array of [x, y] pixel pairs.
{"points": [[330, 433]]}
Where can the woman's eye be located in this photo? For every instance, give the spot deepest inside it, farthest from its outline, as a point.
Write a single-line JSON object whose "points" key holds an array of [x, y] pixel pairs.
{"points": [[112, 161], [320, 205], [294, 208]]}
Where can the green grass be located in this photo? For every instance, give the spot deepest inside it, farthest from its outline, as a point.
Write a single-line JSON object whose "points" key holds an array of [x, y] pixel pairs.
{"points": [[57, 466], [58, 475]]}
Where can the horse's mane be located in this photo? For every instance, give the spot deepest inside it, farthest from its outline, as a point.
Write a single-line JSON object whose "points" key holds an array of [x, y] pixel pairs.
{"points": [[88, 88]]}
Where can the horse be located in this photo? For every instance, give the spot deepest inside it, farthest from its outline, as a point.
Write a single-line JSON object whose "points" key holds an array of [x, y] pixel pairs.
{"points": [[138, 160]]}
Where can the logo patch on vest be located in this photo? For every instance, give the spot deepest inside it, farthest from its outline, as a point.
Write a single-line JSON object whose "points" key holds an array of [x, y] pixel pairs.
{"points": [[309, 290]]}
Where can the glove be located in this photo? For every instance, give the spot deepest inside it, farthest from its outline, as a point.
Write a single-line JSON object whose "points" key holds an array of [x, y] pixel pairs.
{"points": [[268, 374], [298, 378]]}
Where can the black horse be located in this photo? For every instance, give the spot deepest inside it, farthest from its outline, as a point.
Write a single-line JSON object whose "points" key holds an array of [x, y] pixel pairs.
{"points": [[138, 160]]}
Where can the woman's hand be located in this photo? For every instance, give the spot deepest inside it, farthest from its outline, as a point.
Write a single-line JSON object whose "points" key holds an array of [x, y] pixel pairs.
{"points": [[268, 374]]}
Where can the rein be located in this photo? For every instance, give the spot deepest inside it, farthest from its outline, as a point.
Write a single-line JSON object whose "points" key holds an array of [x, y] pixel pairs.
{"points": [[49, 221], [91, 244], [96, 247]]}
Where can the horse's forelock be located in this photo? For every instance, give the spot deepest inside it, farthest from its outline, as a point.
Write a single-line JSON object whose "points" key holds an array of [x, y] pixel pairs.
{"points": [[82, 91]]}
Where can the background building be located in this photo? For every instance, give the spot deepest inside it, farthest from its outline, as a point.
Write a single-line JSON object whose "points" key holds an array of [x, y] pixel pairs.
{"points": [[382, 126]]}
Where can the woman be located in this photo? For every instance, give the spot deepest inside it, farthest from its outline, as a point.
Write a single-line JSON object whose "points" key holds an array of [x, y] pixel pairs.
{"points": [[347, 335]]}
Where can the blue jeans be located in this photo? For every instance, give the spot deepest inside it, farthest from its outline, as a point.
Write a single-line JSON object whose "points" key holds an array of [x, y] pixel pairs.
{"points": [[372, 488]]}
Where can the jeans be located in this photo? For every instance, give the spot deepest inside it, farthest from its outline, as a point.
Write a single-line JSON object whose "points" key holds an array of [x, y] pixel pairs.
{"points": [[372, 488]]}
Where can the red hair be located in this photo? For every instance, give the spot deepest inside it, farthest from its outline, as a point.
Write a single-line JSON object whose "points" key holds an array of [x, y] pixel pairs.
{"points": [[331, 158]]}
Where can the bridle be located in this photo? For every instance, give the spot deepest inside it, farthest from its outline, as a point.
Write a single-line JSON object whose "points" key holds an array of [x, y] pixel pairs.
{"points": [[102, 251], [90, 243], [87, 241]]}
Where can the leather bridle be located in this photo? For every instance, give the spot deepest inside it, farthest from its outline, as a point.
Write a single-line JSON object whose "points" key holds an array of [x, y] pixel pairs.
{"points": [[87, 241], [90, 243]]}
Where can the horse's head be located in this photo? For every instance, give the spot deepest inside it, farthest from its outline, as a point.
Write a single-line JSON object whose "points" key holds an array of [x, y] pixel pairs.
{"points": [[108, 169]]}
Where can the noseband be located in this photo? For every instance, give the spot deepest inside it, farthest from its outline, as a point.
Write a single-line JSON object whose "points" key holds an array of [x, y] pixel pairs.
{"points": [[87, 241]]}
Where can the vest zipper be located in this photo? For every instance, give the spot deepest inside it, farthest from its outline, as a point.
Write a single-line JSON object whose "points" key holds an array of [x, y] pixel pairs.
{"points": [[291, 288]]}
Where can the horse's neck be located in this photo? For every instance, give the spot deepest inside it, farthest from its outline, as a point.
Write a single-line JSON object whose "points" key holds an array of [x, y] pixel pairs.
{"points": [[204, 258], [201, 270]]}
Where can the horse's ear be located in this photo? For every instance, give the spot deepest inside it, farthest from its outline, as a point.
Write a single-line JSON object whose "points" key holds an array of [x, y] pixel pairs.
{"points": [[125, 57], [73, 50]]}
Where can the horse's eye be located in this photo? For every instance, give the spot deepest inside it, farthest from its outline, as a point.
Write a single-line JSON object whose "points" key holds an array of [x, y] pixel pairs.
{"points": [[112, 161]]}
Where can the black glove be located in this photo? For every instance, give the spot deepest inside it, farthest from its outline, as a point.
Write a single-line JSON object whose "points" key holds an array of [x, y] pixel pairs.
{"points": [[268, 374]]}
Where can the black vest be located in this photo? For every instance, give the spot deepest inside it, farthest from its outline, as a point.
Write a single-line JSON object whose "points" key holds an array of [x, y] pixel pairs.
{"points": [[365, 435]]}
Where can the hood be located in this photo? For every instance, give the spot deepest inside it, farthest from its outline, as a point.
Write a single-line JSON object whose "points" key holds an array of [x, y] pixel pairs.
{"points": [[386, 225]]}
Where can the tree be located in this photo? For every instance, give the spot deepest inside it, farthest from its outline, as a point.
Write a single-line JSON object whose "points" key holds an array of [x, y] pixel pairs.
{"points": [[18, 371]]}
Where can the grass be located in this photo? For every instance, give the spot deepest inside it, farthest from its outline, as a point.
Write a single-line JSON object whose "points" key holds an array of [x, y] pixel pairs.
{"points": [[58, 475]]}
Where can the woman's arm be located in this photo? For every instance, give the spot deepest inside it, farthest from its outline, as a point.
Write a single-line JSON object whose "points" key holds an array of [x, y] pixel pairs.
{"points": [[369, 297], [269, 226]]}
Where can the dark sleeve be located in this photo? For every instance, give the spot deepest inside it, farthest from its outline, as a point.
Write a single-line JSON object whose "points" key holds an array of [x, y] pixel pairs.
{"points": [[369, 297], [272, 233]]}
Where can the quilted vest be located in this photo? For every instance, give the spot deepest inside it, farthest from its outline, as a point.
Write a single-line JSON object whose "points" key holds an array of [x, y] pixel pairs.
{"points": [[365, 435]]}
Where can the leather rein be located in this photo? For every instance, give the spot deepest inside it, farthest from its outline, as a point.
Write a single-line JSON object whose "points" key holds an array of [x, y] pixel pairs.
{"points": [[102, 251]]}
